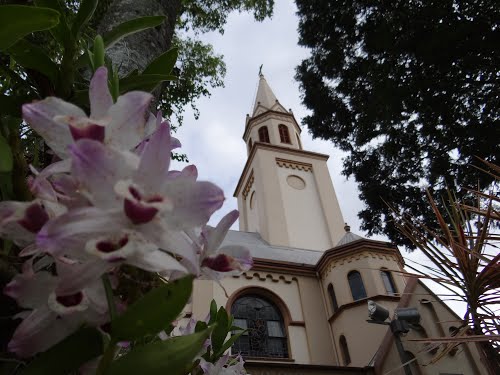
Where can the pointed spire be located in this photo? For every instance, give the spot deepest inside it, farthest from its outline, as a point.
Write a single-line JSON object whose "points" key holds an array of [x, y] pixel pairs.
{"points": [[265, 96]]}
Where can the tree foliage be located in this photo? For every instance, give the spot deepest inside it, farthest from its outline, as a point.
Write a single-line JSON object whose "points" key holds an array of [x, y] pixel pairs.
{"points": [[410, 90]]}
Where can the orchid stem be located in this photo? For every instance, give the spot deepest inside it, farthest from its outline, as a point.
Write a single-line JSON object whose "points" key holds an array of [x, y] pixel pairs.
{"points": [[109, 353], [106, 358], [109, 297]]}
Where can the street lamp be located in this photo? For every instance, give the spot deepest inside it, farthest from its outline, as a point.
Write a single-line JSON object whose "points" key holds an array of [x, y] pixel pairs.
{"points": [[404, 317]]}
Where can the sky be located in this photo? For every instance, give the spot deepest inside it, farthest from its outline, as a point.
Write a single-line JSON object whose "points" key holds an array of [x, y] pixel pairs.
{"points": [[214, 141]]}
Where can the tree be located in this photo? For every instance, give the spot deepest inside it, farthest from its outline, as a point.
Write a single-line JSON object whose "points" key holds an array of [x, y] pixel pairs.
{"points": [[463, 257], [410, 90]]}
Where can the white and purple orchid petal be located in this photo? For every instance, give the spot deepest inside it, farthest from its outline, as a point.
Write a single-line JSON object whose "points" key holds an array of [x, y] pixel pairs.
{"points": [[29, 250], [139, 207], [99, 95], [126, 128], [31, 290], [175, 242], [82, 276], [90, 131], [193, 202], [97, 297], [69, 232], [42, 188], [156, 261], [41, 117], [155, 160], [20, 221], [120, 247], [242, 258], [217, 235], [152, 124], [190, 172], [34, 334], [97, 169], [234, 259]]}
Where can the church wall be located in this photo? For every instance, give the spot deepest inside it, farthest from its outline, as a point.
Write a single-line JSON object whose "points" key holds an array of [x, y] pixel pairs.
{"points": [[304, 216], [363, 338], [436, 320], [368, 264], [308, 332]]}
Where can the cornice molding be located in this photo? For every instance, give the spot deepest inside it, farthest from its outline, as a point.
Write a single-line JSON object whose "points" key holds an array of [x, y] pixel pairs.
{"points": [[357, 247], [267, 146], [292, 164], [248, 185]]}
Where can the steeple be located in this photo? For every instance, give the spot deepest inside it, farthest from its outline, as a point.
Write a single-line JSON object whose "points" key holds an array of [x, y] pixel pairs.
{"points": [[285, 193], [265, 96]]}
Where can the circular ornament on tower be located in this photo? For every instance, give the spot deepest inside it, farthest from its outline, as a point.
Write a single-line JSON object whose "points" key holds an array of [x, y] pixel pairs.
{"points": [[296, 182]]}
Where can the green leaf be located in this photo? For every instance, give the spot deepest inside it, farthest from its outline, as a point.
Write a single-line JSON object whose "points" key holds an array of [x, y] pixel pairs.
{"points": [[98, 55], [6, 160], [153, 312], [18, 21], [144, 82], [131, 27], [61, 32], [173, 356], [33, 57], [6, 188], [200, 326], [85, 12], [69, 354], [213, 311], [221, 330], [164, 63], [228, 344]]}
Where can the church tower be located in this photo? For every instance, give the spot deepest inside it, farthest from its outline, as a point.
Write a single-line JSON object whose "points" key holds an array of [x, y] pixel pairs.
{"points": [[285, 193]]}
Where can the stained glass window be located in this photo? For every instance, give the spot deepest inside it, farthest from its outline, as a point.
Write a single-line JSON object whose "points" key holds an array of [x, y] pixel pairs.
{"points": [[266, 335], [357, 287]]}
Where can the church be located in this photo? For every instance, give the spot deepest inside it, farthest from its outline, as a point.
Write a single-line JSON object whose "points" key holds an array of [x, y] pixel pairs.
{"points": [[305, 301]]}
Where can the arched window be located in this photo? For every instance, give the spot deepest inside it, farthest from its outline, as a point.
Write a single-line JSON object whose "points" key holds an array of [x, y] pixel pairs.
{"points": [[390, 287], [264, 135], [299, 143], [346, 357], [252, 200], [333, 298], [250, 145], [356, 283], [266, 330], [284, 135]]}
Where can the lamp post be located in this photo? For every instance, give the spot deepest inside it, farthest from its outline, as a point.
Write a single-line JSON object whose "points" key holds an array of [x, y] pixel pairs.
{"points": [[403, 318]]}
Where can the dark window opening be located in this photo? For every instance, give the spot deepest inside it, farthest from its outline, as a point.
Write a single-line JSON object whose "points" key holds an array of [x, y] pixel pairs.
{"points": [[284, 135], [356, 283], [346, 357], [264, 135], [333, 298], [266, 336]]}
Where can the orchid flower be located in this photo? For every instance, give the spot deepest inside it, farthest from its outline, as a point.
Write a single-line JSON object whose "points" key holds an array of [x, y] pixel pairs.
{"points": [[137, 210], [54, 315], [223, 366], [217, 262], [120, 125]]}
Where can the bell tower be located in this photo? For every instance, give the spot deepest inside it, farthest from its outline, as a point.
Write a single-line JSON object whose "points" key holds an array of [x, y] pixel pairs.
{"points": [[285, 193]]}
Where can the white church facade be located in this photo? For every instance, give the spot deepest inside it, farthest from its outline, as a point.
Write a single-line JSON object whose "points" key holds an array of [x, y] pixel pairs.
{"points": [[305, 300]]}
